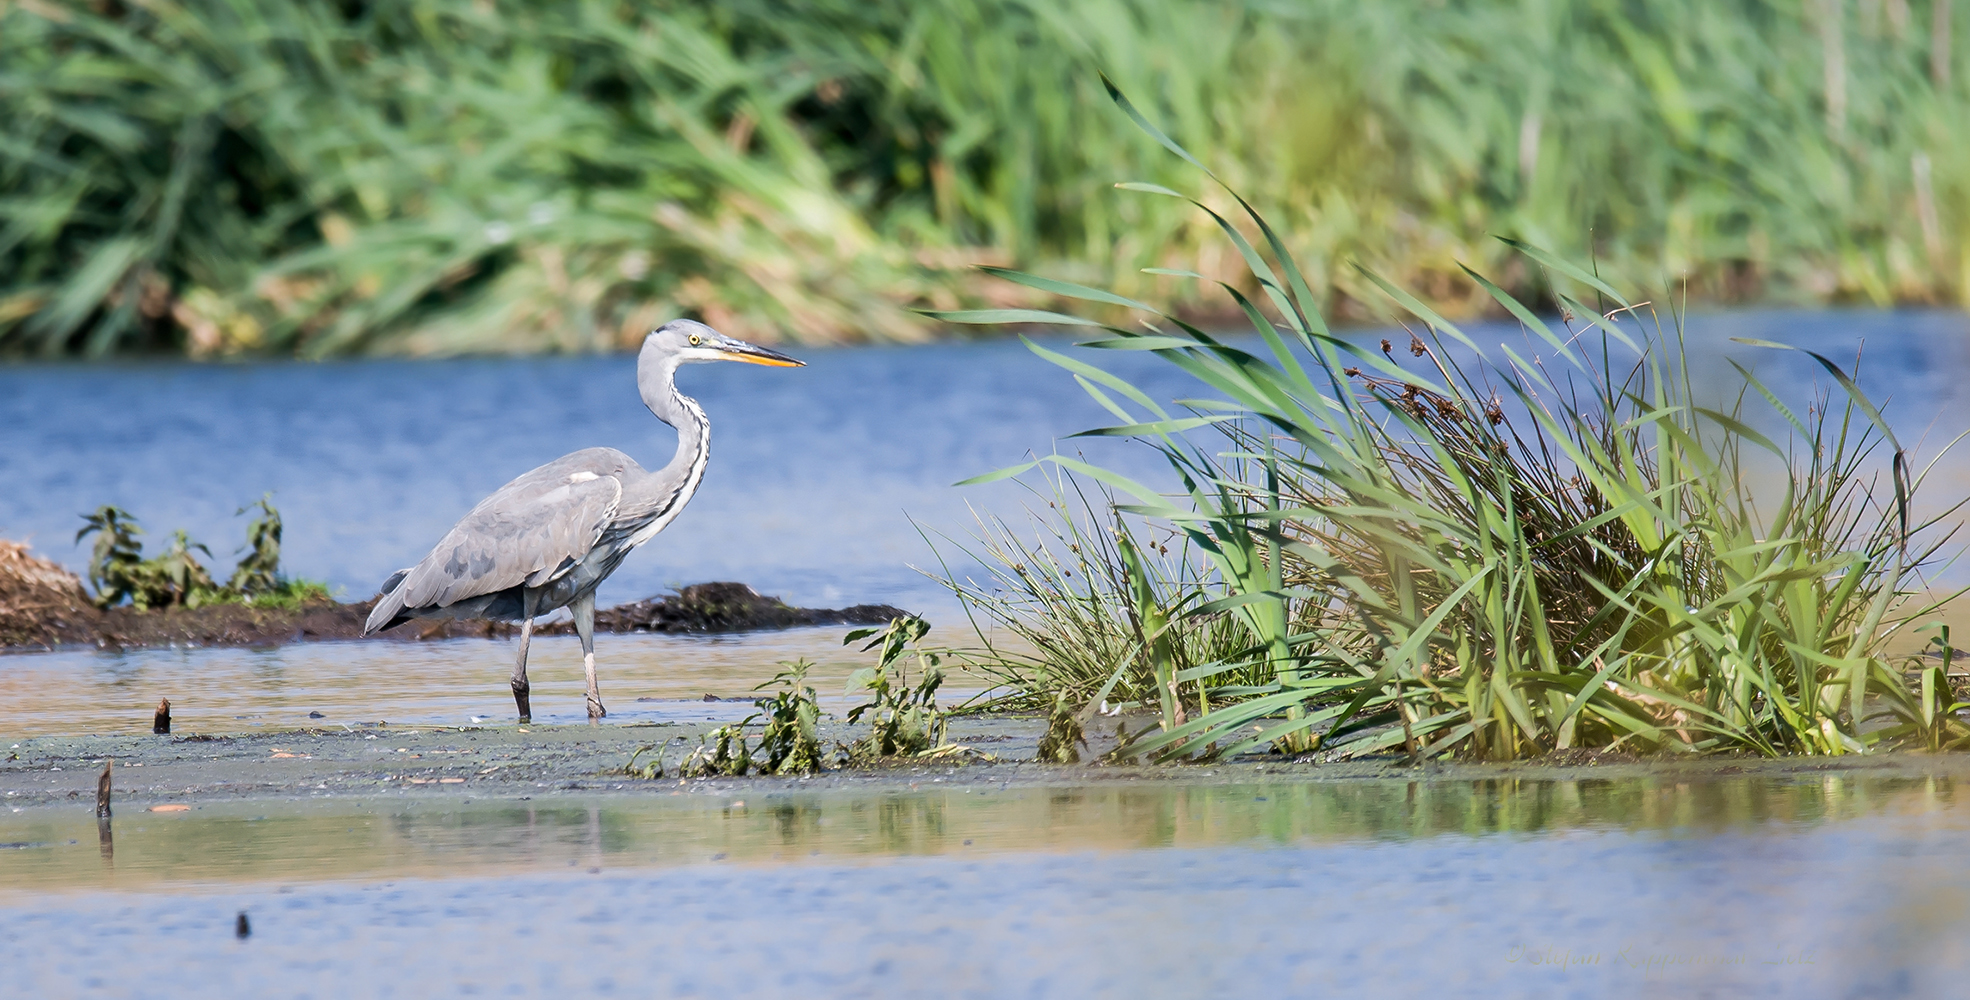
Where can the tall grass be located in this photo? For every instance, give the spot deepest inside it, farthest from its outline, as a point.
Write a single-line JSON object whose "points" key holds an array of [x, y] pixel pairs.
{"points": [[1494, 556], [434, 176], [1094, 603]]}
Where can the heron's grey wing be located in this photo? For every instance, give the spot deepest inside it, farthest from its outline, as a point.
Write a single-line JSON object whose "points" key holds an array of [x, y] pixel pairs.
{"points": [[531, 531]]}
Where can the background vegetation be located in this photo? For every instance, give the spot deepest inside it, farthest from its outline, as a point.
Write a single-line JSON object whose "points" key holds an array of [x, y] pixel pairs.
{"points": [[176, 577], [1453, 552], [226, 176]]}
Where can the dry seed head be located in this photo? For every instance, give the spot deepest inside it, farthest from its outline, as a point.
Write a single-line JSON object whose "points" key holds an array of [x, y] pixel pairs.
{"points": [[1416, 346], [1386, 346]]}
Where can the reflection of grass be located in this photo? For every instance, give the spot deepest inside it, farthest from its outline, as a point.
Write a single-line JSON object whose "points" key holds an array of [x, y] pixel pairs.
{"points": [[294, 840], [1413, 564], [449, 175]]}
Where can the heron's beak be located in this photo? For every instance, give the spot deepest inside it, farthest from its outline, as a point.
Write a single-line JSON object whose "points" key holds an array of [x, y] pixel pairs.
{"points": [[739, 350]]}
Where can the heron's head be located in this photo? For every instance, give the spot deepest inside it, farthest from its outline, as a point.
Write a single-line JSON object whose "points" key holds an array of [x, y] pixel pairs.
{"points": [[689, 340]]}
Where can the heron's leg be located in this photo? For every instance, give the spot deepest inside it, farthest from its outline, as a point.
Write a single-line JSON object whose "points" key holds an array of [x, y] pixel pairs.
{"points": [[521, 688], [584, 611]]}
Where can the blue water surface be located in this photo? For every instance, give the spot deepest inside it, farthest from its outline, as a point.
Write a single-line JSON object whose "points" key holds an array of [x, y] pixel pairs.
{"points": [[823, 480]]}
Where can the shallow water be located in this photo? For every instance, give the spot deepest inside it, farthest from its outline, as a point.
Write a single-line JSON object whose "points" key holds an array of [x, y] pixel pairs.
{"points": [[1779, 885], [457, 682], [816, 473], [1838, 885], [823, 485]]}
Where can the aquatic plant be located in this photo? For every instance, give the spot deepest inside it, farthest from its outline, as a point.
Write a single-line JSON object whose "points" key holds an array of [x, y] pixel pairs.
{"points": [[904, 718], [438, 176], [789, 742], [119, 572], [258, 572], [116, 555], [1500, 558], [1927, 716]]}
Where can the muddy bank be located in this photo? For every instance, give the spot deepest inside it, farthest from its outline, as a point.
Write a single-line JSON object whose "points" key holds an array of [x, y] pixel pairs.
{"points": [[44, 613], [534, 762], [510, 762]]}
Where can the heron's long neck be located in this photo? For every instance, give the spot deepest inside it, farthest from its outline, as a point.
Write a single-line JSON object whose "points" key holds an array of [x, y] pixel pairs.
{"points": [[668, 488]]}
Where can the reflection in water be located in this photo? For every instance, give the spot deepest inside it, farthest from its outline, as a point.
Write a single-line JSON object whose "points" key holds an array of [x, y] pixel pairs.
{"points": [[342, 839], [1834, 885]]}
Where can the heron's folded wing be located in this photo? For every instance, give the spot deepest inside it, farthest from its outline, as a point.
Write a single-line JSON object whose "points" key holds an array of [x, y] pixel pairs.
{"points": [[529, 532]]}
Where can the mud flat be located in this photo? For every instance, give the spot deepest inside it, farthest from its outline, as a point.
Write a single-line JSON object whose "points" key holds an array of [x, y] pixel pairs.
{"points": [[536, 762]]}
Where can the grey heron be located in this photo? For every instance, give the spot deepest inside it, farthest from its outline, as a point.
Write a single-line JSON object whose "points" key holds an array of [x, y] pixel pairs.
{"points": [[547, 539]]}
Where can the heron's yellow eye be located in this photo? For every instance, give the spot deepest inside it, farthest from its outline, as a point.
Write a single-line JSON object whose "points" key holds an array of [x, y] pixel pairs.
{"points": [[694, 340]]}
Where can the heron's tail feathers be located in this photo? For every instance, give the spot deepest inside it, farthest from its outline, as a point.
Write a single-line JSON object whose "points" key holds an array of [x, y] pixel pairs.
{"points": [[389, 605]]}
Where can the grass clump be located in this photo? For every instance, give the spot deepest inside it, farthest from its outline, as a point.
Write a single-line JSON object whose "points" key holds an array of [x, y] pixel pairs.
{"points": [[1097, 603], [1445, 553], [176, 578]]}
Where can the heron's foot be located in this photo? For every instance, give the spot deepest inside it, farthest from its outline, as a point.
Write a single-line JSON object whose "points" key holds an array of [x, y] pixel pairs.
{"points": [[595, 709], [522, 702]]}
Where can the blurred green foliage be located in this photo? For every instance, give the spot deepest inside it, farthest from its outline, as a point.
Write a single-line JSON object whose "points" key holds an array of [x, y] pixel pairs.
{"points": [[174, 577], [438, 176]]}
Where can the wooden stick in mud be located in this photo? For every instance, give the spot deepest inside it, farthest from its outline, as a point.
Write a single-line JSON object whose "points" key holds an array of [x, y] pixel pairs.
{"points": [[102, 792], [161, 722]]}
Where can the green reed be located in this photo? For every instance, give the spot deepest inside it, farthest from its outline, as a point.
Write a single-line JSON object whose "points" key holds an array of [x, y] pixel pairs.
{"points": [[438, 176], [1435, 552]]}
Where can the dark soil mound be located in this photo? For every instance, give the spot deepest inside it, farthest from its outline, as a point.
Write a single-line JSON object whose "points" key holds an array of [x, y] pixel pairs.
{"points": [[41, 604], [726, 607], [699, 608]]}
